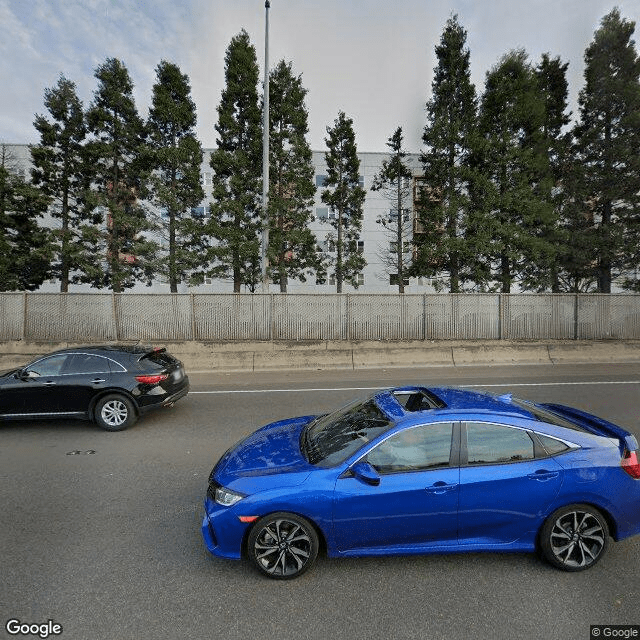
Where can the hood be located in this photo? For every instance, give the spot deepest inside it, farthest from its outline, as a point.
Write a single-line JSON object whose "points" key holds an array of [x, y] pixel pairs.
{"points": [[274, 449]]}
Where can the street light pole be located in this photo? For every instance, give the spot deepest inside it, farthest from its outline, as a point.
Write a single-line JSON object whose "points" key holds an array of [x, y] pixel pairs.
{"points": [[265, 156]]}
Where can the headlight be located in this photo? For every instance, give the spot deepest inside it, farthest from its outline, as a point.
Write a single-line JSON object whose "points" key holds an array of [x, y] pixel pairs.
{"points": [[227, 498]]}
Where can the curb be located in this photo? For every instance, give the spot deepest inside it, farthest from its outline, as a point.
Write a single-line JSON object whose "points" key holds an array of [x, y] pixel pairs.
{"points": [[271, 356]]}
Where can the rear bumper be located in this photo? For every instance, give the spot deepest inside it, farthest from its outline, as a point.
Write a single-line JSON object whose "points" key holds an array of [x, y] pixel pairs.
{"points": [[152, 401]]}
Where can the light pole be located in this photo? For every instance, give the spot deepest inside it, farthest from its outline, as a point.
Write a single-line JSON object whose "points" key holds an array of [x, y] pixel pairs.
{"points": [[265, 156]]}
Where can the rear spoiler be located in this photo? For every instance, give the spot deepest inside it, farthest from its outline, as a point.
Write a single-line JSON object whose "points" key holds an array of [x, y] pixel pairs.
{"points": [[596, 425]]}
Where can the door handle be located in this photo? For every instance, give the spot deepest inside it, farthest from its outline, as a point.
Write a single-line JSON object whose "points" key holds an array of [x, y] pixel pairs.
{"points": [[543, 475], [98, 380], [440, 488]]}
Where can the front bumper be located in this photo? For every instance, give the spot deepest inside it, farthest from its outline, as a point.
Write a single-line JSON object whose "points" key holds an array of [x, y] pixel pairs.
{"points": [[222, 531]]}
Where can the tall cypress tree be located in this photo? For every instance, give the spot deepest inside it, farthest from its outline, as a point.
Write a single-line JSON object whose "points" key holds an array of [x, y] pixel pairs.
{"points": [[114, 156], [175, 156], [25, 247], [235, 222], [512, 211], [345, 196], [442, 242], [394, 179], [60, 172], [607, 143], [547, 271], [292, 245]]}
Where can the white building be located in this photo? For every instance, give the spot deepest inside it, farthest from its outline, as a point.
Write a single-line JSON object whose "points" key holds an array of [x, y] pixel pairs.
{"points": [[374, 238]]}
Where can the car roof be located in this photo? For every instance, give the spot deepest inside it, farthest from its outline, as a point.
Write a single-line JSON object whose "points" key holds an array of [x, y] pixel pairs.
{"points": [[108, 350], [451, 400]]}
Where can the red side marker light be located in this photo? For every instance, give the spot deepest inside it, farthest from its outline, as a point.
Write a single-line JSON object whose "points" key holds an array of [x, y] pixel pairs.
{"points": [[247, 519]]}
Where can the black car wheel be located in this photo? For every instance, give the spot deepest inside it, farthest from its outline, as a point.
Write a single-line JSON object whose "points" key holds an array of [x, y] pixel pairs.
{"points": [[283, 545], [114, 412], [574, 538]]}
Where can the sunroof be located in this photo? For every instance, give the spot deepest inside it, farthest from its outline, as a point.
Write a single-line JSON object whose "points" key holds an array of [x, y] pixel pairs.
{"points": [[418, 400]]}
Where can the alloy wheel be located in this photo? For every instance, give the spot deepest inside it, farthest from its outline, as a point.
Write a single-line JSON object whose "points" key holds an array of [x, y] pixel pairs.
{"points": [[283, 546], [577, 539]]}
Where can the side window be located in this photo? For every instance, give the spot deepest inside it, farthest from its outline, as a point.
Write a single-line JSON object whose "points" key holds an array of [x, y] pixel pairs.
{"points": [[414, 449], [495, 444], [551, 445], [85, 363], [47, 366]]}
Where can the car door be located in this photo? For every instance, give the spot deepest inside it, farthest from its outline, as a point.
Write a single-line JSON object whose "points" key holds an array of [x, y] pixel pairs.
{"points": [[504, 486], [416, 500], [33, 390], [82, 377]]}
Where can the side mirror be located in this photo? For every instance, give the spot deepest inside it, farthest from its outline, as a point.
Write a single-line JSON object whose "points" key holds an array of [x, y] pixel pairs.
{"points": [[364, 472]]}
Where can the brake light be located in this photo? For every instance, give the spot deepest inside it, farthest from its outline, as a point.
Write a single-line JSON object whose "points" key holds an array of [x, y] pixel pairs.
{"points": [[631, 464], [152, 379]]}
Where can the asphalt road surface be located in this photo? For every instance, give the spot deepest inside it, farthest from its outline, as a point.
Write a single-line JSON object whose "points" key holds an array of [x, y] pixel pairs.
{"points": [[100, 532]]}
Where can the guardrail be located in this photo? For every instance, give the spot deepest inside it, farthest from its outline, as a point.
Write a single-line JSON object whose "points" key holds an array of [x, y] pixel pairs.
{"points": [[96, 317]]}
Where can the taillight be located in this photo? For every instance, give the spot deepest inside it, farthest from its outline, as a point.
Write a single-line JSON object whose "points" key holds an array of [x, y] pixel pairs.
{"points": [[152, 379], [630, 464]]}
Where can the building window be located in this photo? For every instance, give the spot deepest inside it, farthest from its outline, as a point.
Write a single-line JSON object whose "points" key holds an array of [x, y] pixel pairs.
{"points": [[360, 279], [332, 279], [198, 212], [321, 280], [208, 280], [406, 247], [360, 246], [406, 215], [207, 179], [322, 213], [394, 280], [320, 180]]}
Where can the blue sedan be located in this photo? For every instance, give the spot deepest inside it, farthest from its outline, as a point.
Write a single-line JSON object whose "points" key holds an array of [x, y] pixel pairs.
{"points": [[413, 470]]}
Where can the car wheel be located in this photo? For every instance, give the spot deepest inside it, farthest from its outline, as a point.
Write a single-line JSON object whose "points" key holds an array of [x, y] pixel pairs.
{"points": [[283, 545], [114, 412], [574, 538]]}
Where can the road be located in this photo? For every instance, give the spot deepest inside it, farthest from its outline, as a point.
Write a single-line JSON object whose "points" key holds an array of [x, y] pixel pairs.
{"points": [[100, 531]]}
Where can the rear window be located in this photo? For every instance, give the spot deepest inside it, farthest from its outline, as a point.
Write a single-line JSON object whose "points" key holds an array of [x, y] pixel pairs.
{"points": [[161, 359], [544, 415]]}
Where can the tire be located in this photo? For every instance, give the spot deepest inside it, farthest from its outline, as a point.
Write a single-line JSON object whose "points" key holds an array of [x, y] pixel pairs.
{"points": [[114, 412], [574, 538], [283, 545]]}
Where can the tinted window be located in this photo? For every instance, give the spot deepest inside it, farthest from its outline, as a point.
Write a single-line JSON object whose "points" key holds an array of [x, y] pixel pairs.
{"points": [[490, 443], [158, 360], [48, 366], [331, 439], [413, 449], [84, 363]]}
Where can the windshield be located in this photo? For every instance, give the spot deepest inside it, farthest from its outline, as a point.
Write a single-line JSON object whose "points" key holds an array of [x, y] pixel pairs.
{"points": [[331, 439]]}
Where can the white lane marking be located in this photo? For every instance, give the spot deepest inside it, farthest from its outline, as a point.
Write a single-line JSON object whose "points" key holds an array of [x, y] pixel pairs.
{"points": [[481, 386]]}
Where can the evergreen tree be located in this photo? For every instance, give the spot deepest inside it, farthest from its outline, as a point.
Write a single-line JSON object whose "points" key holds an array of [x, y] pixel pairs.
{"points": [[548, 272], [442, 244], [346, 198], [114, 157], [394, 178], [513, 215], [292, 245], [25, 247], [175, 156], [59, 171], [607, 143], [235, 224]]}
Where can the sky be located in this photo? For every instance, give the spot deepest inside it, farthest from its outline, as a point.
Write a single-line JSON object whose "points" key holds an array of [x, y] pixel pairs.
{"points": [[372, 59]]}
